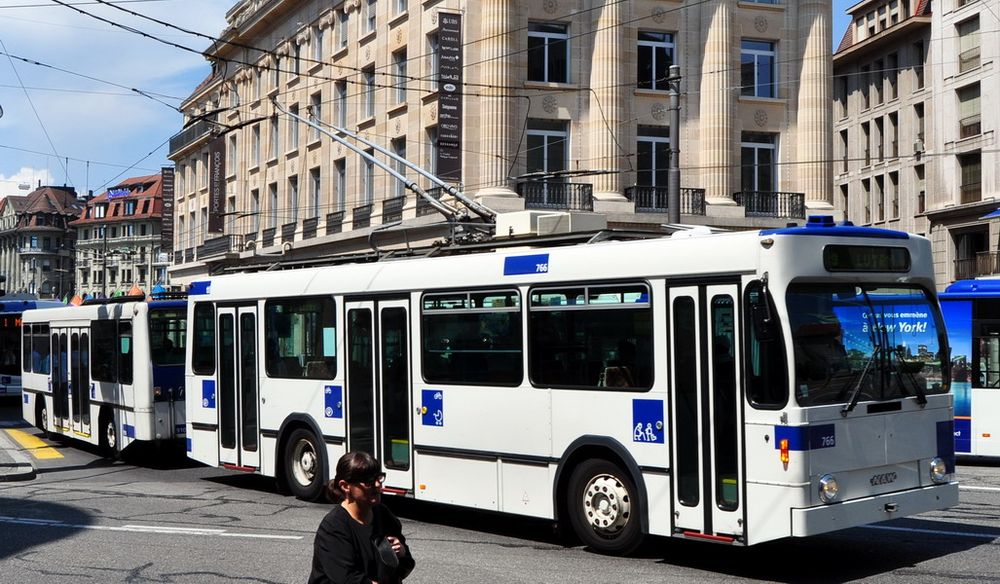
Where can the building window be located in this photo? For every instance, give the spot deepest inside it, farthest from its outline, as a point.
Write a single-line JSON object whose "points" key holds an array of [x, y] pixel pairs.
{"points": [[879, 71], [293, 128], [918, 63], [548, 52], [894, 135], [866, 136], [842, 93], [399, 70], [918, 114], [866, 198], [296, 58], [399, 149], [879, 139], [272, 205], [892, 74], [255, 145], [369, 16], [894, 193], [400, 6], [758, 158], [918, 172], [757, 68], [971, 169], [256, 84], [231, 155], [317, 45], [369, 81], [368, 181], [293, 199], [968, 44], [276, 73], [340, 175], [203, 177], [254, 211], [548, 146], [652, 156], [845, 199], [656, 54], [969, 118], [880, 196], [433, 61], [315, 192], [864, 82], [844, 150], [342, 28], [432, 150], [130, 207], [273, 142], [315, 114], [340, 98]]}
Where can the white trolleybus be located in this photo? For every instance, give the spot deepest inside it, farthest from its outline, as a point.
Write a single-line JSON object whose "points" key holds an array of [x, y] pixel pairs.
{"points": [[972, 310], [108, 372], [733, 388], [11, 311]]}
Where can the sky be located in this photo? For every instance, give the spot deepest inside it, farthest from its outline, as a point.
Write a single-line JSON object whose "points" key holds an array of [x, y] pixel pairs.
{"points": [[88, 119], [107, 132]]}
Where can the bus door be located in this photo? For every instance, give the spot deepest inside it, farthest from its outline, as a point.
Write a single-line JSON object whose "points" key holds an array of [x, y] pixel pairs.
{"points": [[378, 386], [60, 380], [79, 380], [239, 427], [707, 420]]}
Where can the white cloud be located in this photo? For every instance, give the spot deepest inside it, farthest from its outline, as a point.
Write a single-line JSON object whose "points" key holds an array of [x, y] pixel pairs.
{"points": [[10, 185]]}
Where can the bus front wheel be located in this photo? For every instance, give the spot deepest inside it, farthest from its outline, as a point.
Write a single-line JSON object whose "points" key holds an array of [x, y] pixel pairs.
{"points": [[304, 464], [604, 508]]}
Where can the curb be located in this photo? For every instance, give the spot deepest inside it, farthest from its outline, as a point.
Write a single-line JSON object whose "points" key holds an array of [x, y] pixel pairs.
{"points": [[15, 465]]}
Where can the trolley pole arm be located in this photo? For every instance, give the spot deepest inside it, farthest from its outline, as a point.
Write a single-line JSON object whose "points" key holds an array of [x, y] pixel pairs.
{"points": [[477, 208], [449, 212]]}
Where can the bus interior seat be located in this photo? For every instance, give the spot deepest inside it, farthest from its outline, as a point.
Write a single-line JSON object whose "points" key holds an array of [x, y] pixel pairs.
{"points": [[289, 366]]}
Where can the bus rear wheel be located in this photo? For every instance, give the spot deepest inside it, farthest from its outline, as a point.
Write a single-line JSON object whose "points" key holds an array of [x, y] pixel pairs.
{"points": [[304, 465], [604, 508], [107, 436], [41, 415]]}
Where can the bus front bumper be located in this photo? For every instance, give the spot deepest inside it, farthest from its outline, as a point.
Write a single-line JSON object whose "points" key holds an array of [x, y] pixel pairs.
{"points": [[816, 520]]}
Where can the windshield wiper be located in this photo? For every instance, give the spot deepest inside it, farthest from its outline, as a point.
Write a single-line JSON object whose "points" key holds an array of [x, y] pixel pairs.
{"points": [[901, 369], [856, 390]]}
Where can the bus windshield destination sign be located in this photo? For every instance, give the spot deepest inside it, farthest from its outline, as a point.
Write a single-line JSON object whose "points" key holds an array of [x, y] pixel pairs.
{"points": [[863, 258]]}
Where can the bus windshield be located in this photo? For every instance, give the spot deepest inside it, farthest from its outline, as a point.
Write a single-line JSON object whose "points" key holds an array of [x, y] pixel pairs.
{"points": [[167, 335], [865, 342]]}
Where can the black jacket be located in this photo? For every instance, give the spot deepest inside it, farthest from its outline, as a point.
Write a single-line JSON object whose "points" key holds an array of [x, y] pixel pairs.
{"points": [[344, 550]]}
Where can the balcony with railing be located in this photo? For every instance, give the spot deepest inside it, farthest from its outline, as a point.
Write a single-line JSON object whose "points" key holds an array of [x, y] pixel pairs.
{"points": [[190, 135], [392, 209], [288, 232], [267, 236], [554, 195], [971, 193], [334, 222], [220, 246], [423, 206], [986, 263], [772, 204], [362, 216], [309, 227], [654, 200]]}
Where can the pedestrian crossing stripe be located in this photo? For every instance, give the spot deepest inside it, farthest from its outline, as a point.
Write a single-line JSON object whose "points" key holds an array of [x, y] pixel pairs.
{"points": [[34, 445]]}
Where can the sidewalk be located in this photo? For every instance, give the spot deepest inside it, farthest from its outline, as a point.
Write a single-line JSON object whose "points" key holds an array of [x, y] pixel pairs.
{"points": [[15, 465]]}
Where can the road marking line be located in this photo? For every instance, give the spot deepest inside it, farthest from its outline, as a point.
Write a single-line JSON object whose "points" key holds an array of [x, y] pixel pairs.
{"points": [[965, 488], [162, 530], [937, 532], [34, 445]]}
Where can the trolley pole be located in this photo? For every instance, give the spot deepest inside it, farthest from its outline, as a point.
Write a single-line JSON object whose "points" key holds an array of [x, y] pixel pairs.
{"points": [[674, 168]]}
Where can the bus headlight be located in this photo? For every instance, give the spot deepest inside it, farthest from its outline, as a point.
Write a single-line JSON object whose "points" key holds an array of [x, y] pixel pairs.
{"points": [[938, 470], [828, 488]]}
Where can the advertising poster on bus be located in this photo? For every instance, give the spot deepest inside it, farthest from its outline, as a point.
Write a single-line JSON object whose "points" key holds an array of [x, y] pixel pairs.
{"points": [[958, 316]]}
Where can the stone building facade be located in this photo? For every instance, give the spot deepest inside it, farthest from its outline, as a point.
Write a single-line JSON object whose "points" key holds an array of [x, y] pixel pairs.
{"points": [[11, 209], [118, 239], [45, 242], [914, 135], [564, 108]]}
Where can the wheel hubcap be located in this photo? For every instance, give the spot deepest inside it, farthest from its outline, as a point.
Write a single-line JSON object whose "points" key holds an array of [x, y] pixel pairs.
{"points": [[45, 419], [304, 468], [606, 505], [109, 434]]}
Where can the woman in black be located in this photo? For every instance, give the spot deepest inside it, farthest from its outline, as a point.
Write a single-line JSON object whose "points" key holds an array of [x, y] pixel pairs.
{"points": [[346, 550]]}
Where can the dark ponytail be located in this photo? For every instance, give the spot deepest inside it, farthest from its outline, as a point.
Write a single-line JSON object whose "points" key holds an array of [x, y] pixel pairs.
{"points": [[352, 467]]}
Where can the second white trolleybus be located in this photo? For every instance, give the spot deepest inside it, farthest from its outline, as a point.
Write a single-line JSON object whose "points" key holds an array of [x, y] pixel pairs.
{"points": [[734, 388]]}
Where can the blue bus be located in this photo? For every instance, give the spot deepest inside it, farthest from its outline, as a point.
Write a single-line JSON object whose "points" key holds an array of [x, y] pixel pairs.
{"points": [[11, 311]]}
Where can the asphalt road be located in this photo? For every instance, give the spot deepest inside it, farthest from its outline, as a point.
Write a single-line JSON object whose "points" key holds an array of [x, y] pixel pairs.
{"points": [[156, 517]]}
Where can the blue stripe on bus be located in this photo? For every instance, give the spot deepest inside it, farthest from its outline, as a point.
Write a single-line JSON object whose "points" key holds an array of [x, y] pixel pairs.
{"points": [[804, 438], [198, 288], [946, 444], [333, 397], [825, 225], [208, 393], [189, 445], [129, 431], [26, 397], [962, 433], [529, 264]]}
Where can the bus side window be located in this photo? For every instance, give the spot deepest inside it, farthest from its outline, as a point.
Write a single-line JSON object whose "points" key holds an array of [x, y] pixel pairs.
{"points": [[203, 339], [766, 364]]}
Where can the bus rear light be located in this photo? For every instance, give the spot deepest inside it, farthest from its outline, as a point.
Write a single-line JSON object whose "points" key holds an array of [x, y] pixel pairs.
{"points": [[784, 452], [986, 434], [157, 392]]}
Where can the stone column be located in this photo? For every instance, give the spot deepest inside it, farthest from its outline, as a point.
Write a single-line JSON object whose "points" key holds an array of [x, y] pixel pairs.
{"points": [[607, 104], [718, 95], [499, 128], [815, 125]]}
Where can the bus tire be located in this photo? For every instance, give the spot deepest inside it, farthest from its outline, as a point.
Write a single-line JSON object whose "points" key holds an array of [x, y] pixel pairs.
{"points": [[107, 434], [305, 465], [41, 415], [604, 507]]}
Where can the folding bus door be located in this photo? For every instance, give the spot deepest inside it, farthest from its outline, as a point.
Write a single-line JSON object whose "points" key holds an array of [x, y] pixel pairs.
{"points": [[239, 427], [706, 418], [60, 380], [378, 386], [79, 380]]}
